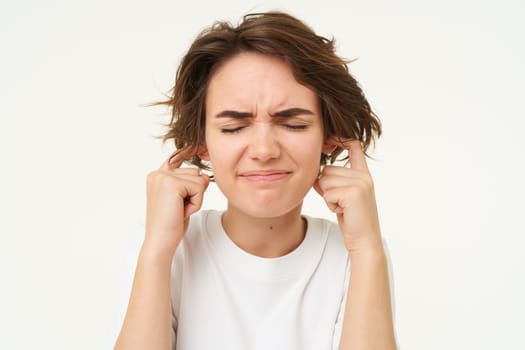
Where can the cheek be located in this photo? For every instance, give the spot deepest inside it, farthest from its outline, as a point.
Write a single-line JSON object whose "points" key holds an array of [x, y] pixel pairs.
{"points": [[222, 153], [305, 147]]}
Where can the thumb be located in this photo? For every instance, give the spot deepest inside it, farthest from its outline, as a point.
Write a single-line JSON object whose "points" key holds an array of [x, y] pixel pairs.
{"points": [[194, 199], [318, 188]]}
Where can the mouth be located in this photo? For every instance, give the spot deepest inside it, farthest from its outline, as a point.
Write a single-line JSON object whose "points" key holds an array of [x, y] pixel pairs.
{"points": [[265, 175]]}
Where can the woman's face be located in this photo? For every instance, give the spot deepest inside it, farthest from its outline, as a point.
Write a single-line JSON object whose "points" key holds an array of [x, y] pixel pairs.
{"points": [[264, 135]]}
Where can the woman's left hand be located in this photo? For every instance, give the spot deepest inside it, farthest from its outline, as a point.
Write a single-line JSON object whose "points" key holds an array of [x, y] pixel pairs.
{"points": [[349, 192]]}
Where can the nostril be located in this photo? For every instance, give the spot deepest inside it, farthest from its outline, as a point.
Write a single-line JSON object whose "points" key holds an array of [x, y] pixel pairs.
{"points": [[264, 149]]}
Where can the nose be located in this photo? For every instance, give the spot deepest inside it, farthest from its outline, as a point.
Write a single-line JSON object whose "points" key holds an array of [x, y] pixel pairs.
{"points": [[264, 144]]}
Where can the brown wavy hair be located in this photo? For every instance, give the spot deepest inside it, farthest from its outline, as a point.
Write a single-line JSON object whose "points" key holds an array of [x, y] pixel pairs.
{"points": [[346, 114]]}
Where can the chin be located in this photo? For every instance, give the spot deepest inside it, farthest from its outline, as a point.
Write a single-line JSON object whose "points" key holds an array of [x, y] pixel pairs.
{"points": [[266, 209], [266, 203]]}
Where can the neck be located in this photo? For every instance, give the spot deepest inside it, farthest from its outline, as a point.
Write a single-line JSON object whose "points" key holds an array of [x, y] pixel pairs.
{"points": [[265, 237]]}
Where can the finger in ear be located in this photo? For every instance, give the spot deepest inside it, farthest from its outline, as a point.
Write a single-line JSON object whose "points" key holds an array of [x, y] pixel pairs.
{"points": [[329, 145], [202, 152]]}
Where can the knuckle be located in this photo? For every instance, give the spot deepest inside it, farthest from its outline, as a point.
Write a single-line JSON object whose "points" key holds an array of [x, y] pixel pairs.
{"points": [[358, 192], [369, 180], [198, 203], [152, 177], [366, 183], [203, 181], [159, 179]]}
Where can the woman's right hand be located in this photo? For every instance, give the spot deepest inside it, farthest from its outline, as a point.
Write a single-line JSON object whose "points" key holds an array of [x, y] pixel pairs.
{"points": [[173, 194]]}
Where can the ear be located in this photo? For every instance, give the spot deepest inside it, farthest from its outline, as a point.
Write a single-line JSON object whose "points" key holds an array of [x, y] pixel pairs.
{"points": [[202, 152], [328, 146]]}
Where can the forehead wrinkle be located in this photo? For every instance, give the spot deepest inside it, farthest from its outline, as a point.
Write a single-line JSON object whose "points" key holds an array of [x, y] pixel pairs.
{"points": [[266, 88]]}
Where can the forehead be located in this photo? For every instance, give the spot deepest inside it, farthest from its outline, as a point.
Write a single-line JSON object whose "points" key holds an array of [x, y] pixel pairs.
{"points": [[252, 78], [250, 63]]}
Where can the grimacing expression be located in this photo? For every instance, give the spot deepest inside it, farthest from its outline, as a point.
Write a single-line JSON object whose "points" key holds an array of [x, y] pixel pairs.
{"points": [[264, 135]]}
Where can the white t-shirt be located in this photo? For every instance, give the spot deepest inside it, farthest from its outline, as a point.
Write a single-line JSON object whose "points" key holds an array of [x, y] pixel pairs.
{"points": [[226, 298]]}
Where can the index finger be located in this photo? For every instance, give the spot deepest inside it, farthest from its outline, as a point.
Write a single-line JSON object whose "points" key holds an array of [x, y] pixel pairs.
{"points": [[174, 161], [356, 155]]}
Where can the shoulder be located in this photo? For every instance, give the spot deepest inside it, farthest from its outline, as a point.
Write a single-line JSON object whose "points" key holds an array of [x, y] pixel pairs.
{"points": [[200, 225], [334, 257], [193, 238], [330, 230], [189, 255]]}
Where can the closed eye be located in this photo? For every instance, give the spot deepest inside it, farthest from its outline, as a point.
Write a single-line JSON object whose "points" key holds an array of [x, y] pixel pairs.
{"points": [[296, 126], [231, 130]]}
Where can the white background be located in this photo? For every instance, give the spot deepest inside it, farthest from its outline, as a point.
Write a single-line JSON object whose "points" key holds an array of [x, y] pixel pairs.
{"points": [[446, 78]]}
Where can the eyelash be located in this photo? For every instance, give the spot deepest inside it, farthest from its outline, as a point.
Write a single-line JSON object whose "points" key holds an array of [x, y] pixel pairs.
{"points": [[288, 126], [295, 127], [232, 130]]}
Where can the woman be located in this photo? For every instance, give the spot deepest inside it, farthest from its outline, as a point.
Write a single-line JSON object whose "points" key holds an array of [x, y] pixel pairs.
{"points": [[264, 105]]}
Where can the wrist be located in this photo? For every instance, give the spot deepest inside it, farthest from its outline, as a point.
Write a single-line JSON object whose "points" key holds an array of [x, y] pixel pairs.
{"points": [[371, 247], [368, 261], [156, 253]]}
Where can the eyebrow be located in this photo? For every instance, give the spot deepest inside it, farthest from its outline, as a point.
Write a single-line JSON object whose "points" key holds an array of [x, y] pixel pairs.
{"points": [[233, 114], [286, 113]]}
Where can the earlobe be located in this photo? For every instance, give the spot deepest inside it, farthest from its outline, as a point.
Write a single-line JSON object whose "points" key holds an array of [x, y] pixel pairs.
{"points": [[202, 152], [328, 146]]}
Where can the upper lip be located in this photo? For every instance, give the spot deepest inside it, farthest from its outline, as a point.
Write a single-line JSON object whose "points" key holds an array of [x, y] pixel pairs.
{"points": [[263, 172]]}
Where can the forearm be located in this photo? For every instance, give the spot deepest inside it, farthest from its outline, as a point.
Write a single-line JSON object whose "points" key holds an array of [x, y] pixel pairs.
{"points": [[368, 312], [147, 324]]}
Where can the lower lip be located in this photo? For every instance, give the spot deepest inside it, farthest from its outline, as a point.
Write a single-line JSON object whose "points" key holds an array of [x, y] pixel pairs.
{"points": [[266, 178]]}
